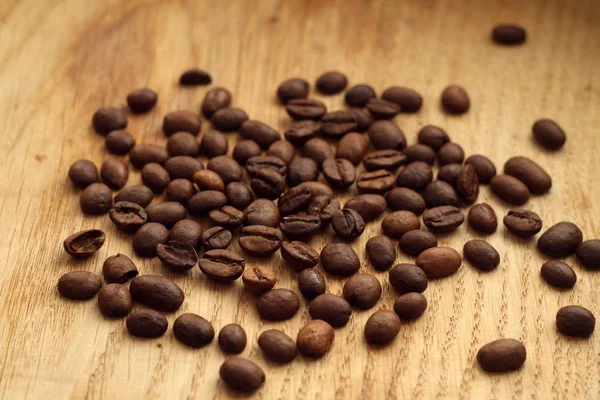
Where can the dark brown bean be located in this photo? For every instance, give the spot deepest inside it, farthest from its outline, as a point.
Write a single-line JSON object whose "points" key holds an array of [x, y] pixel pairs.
{"points": [[108, 119], [364, 120], [186, 231], [332, 309], [128, 217], [405, 199], [302, 169], [415, 176], [245, 150], [347, 224], [339, 172], [278, 305], [183, 167], [141, 100], [450, 153], [440, 193], [449, 173], [438, 262], [300, 226], [255, 164], [83, 173], [502, 355], [228, 119], [238, 195], [558, 274], [206, 201], [267, 183], [193, 330], [331, 82], [323, 206], [148, 237], [258, 280], [180, 190], [523, 223], [311, 283], [119, 142], [509, 34], [182, 121], [415, 242], [293, 88], [382, 109], [317, 188], [301, 131], [560, 240], [177, 256], [277, 346], [484, 167], [227, 217], [232, 339], [156, 292], [420, 152], [143, 154], [167, 213], [84, 243], [208, 180], [384, 159], [352, 147], [213, 144], [398, 223], [302, 109], [409, 100], [380, 252], [359, 95], [138, 194], [318, 150], [147, 324], [575, 321], [262, 212], [114, 301], [530, 173], [588, 254], [222, 265], [261, 133], [260, 240], [387, 135], [455, 100], [282, 149], [299, 255], [119, 269], [241, 374], [382, 327], [549, 134], [79, 285], [406, 278], [467, 183], [294, 200], [362, 291], [216, 237], [482, 218], [510, 189], [214, 100], [337, 123], [369, 206], [443, 219], [156, 177], [378, 182], [410, 305], [96, 199], [182, 144], [481, 254], [195, 77], [339, 259], [433, 136], [315, 338]]}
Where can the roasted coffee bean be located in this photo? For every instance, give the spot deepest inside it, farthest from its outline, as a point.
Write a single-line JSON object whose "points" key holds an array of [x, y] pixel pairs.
{"points": [[440, 193], [324, 207], [79, 285], [83, 173], [278, 305], [268, 183], [216, 237], [315, 338], [410, 305], [352, 147], [405, 199], [245, 150], [510, 189], [347, 224], [213, 144], [227, 217], [96, 199], [415, 176], [406, 278], [415, 242], [575, 321], [455, 100], [484, 167], [148, 237], [183, 167], [206, 201], [450, 153], [317, 188], [114, 301], [228, 119], [318, 150], [560, 240], [339, 259], [119, 269], [387, 135], [302, 169], [180, 190], [119, 142], [301, 131], [558, 274], [549, 134], [157, 292], [182, 144], [138, 194], [311, 283], [208, 180], [195, 77], [214, 100], [375, 182], [259, 279], [420, 152], [449, 173], [177, 256], [167, 213], [293, 88], [383, 159], [337, 123], [482, 218], [84, 243], [141, 100], [362, 291], [467, 183], [433, 136], [302, 109], [438, 262], [108, 119], [238, 195], [368, 206], [260, 240], [443, 219], [255, 164], [398, 223], [380, 252], [156, 177], [295, 199], [282, 149], [299, 255], [588, 254], [364, 120], [187, 231], [481, 254], [222, 265], [300, 225], [409, 100], [528, 172], [143, 154], [193, 330], [147, 324], [502, 355], [182, 121], [332, 309], [331, 82], [259, 132], [509, 34], [382, 109], [232, 339], [277, 346], [359, 95], [382, 327], [241, 374], [262, 212], [339, 172], [523, 223], [128, 217]]}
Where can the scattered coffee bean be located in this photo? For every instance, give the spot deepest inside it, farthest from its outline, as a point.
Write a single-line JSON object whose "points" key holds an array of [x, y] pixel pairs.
{"points": [[213, 144], [323, 206], [362, 291], [141, 100], [415, 242], [216, 237], [510, 189], [156, 177], [232, 339], [455, 100], [96, 199], [318, 188], [405, 199], [380, 252], [467, 183], [315, 338], [128, 217], [79, 285], [558, 274], [384, 159], [148, 237], [156, 292], [183, 167], [277, 346], [302, 169], [245, 150], [352, 147], [382, 327], [382, 109], [481, 254], [83, 173], [443, 219], [359, 95], [222, 265], [302, 109], [387, 135], [484, 167], [143, 154], [208, 180], [260, 240], [258, 280], [368, 206], [339, 259], [440, 193], [339, 172], [588, 254], [167, 213], [182, 144], [332, 309], [227, 217], [301, 131], [241, 374], [278, 305], [450, 153], [482, 218], [214, 100], [364, 120], [186, 231], [560, 240], [438, 262], [377, 182], [119, 269], [318, 150], [406, 278], [238, 195], [182, 121], [410, 305], [509, 34], [337, 123], [261, 133], [299, 255], [449, 173], [255, 164], [228, 119], [180, 190], [146, 323], [84, 243], [108, 119], [549, 134], [119, 142], [523, 223], [294, 88], [433, 136], [267, 183], [177, 256], [262, 212], [311, 283], [409, 100], [295, 199], [502, 355], [193, 330], [206, 201], [528, 172], [347, 224], [398, 223], [415, 176], [282, 149], [114, 301], [300, 225], [195, 77], [331, 82], [575, 321], [420, 152]]}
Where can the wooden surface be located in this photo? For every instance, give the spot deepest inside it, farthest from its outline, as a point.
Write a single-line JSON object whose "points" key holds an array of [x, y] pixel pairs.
{"points": [[61, 60]]}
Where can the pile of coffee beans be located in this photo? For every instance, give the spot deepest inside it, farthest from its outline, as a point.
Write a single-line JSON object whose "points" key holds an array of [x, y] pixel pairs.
{"points": [[266, 193]]}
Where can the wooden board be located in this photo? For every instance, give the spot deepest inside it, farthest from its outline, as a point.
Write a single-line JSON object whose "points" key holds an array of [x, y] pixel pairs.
{"points": [[60, 61]]}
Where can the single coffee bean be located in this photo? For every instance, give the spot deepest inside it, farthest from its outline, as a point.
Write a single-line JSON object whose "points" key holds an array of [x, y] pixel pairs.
{"points": [[260, 240], [156, 292], [128, 217], [79, 285], [467, 183], [119, 269], [232, 339], [415, 242], [575, 321], [509, 34], [339, 259], [245, 150], [364, 120], [301, 131], [141, 100], [549, 134], [167, 213], [407, 278], [216, 237], [84, 243], [228, 119], [352, 147], [481, 254], [337, 123], [315, 338], [182, 121], [409, 100], [277, 346], [410, 305], [415, 176], [438, 262], [558, 274], [318, 150], [443, 219], [302, 109], [214, 100], [156, 177], [302, 169], [282, 149], [528, 172], [420, 152], [180, 190], [482, 218], [177, 256], [440, 193], [484, 167], [295, 199], [148, 237], [588, 254], [331, 82], [362, 291], [382, 327], [510, 189], [195, 77], [222, 265], [146, 323], [380, 252], [108, 119], [238, 195], [278, 305], [368, 206], [114, 301], [523, 223], [324, 207], [182, 144], [299, 255], [227, 217], [455, 100], [186, 231], [347, 224], [208, 180], [405, 199], [143, 154], [241, 374], [272, 163], [375, 182], [398, 223], [332, 309], [119, 142], [267, 183], [294, 88], [433, 136], [450, 153], [560, 240], [193, 330], [258, 280], [359, 95], [83, 173], [183, 167], [382, 109], [259, 132], [502, 355], [449, 173], [96, 199], [317, 188], [384, 159], [299, 226], [387, 135], [213, 144], [311, 283], [339, 172], [262, 212], [206, 201]]}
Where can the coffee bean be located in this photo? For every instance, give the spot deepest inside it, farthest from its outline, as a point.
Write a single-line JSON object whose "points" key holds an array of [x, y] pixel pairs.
{"points": [[195, 77], [406, 278], [347, 224], [294, 199], [272, 163], [481, 254], [405, 199], [482, 218], [301, 131], [108, 119], [183, 167], [415, 242], [332, 309], [588, 254], [337, 123], [443, 219], [484, 167], [510, 189], [238, 195], [156, 177], [282, 149], [380, 252], [315, 338], [467, 183], [331, 82], [317, 188], [261, 133], [186, 231], [409, 100], [245, 150], [177, 256], [368, 206], [433, 136], [575, 321], [193, 330], [339, 172], [260, 240], [232, 339], [502, 355], [450, 153], [143, 154], [549, 134], [96, 199], [294, 88], [558, 274], [182, 144], [114, 301], [182, 121], [523, 223], [84, 243], [352, 147], [206, 201], [258, 280], [148, 237], [440, 193], [83, 173], [364, 120], [415, 176], [146, 323], [387, 135], [141, 100], [302, 169], [214, 100], [278, 305], [528, 172], [216, 237], [222, 265], [318, 150], [359, 95], [227, 217], [128, 217], [362, 291], [167, 213], [410, 305], [268, 183], [509, 34], [79, 285], [262, 212], [208, 180], [324, 207], [180, 190], [302, 109], [382, 109], [119, 269], [311, 283], [398, 223], [156, 292], [420, 152], [379, 182], [228, 119], [449, 173], [438, 262], [241, 374], [119, 142], [300, 226], [384, 159], [277, 346], [213, 144], [382, 327], [560, 240], [339, 259], [455, 100]]}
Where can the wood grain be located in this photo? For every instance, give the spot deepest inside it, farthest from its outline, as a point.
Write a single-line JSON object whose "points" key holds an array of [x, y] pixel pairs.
{"points": [[61, 60]]}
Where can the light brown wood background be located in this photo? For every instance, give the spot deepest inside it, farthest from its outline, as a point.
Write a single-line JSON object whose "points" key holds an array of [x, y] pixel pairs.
{"points": [[61, 60]]}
